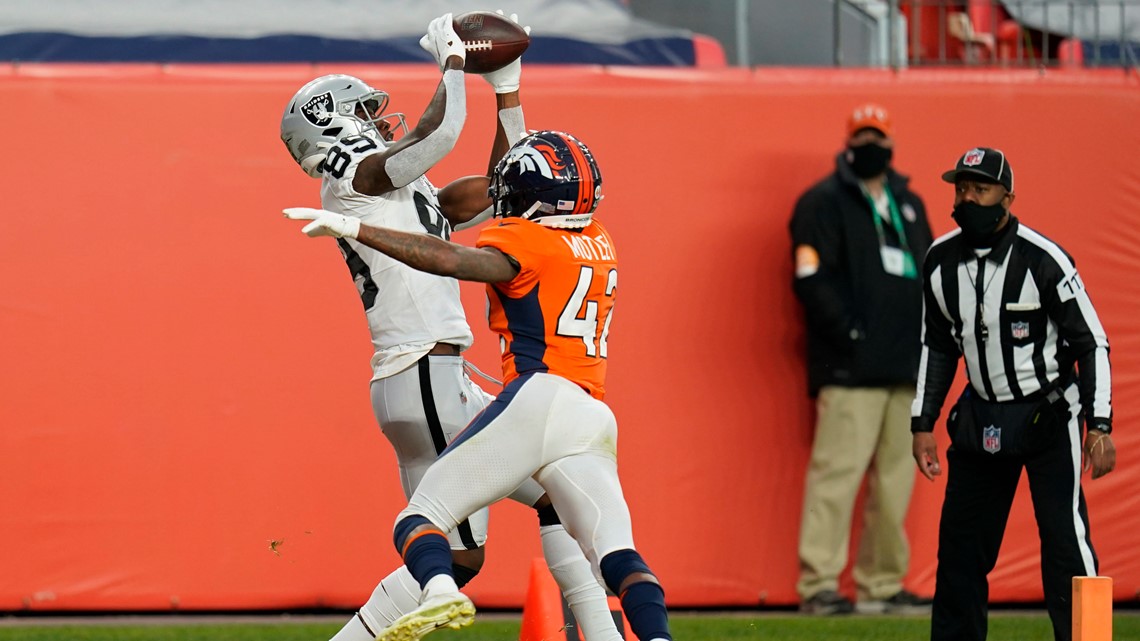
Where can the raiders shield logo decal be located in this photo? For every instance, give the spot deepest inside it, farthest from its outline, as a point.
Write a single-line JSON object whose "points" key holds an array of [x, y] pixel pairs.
{"points": [[991, 439], [319, 109]]}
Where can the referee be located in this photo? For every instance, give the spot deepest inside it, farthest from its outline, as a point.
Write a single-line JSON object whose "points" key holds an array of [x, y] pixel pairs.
{"points": [[1011, 303]]}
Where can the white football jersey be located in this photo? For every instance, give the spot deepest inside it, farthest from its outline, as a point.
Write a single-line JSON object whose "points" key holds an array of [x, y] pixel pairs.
{"points": [[408, 310]]}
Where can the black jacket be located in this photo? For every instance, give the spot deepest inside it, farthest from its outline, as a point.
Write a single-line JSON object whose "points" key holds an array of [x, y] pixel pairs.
{"points": [[863, 323]]}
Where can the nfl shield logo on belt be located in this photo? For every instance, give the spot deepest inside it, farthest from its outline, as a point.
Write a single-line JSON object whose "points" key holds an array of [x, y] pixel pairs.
{"points": [[991, 439], [1019, 329]]}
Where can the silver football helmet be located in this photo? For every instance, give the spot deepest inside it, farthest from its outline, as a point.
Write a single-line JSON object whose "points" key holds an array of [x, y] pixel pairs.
{"points": [[330, 108]]}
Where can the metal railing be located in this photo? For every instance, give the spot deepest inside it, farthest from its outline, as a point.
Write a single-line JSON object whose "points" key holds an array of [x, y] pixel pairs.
{"points": [[1006, 33]]}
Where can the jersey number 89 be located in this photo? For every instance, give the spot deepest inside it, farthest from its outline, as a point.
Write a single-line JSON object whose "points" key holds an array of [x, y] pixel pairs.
{"points": [[336, 159]]}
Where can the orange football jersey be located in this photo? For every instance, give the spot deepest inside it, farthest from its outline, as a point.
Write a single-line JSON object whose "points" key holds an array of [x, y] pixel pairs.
{"points": [[555, 315]]}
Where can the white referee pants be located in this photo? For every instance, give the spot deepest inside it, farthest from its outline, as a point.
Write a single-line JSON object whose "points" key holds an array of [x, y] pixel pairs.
{"points": [[541, 427]]}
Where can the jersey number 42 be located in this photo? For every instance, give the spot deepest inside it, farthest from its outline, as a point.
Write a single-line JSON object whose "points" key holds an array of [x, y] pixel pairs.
{"points": [[579, 318]]}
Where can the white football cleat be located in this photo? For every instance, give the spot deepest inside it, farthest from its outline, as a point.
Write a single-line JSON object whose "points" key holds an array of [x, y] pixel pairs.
{"points": [[453, 611]]}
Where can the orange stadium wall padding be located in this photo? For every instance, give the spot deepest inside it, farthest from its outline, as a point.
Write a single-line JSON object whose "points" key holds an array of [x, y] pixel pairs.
{"points": [[184, 391]]}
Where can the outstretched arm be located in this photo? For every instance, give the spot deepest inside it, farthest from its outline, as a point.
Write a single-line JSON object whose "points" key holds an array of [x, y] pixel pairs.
{"points": [[437, 130], [437, 256], [509, 129], [465, 201], [421, 251], [511, 126]]}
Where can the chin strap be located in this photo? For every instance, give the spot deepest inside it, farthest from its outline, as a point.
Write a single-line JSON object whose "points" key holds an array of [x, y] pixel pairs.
{"points": [[537, 206], [312, 163]]}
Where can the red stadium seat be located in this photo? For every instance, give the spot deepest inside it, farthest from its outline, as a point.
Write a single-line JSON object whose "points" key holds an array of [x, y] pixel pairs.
{"points": [[948, 31], [980, 32], [708, 52]]}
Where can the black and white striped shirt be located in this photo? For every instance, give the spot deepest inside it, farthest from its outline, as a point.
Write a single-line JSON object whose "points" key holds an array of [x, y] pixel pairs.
{"points": [[1019, 315]]}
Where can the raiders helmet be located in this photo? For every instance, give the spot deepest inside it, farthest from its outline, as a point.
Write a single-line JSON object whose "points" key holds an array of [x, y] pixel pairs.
{"points": [[325, 111]]}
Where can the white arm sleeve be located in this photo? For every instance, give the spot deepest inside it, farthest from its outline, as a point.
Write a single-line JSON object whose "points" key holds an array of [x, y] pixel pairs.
{"points": [[514, 125], [410, 163]]}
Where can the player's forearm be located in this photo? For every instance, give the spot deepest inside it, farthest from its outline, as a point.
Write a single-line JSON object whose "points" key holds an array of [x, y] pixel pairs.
{"points": [[510, 127], [436, 133], [437, 108], [437, 256], [423, 252]]}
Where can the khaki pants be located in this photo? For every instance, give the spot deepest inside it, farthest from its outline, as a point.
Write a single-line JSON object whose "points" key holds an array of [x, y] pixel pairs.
{"points": [[859, 430]]}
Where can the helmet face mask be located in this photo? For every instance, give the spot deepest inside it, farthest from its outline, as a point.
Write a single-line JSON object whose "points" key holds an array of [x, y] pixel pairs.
{"points": [[329, 109], [549, 177], [369, 109]]}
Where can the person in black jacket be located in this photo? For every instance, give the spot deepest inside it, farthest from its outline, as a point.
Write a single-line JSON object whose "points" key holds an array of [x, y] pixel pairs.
{"points": [[859, 238]]}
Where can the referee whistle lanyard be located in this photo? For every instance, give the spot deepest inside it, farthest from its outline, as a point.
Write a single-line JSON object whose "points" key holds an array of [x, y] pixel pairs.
{"points": [[908, 268], [980, 293]]}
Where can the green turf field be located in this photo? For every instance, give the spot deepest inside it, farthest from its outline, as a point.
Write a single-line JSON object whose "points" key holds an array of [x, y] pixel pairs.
{"points": [[686, 627]]}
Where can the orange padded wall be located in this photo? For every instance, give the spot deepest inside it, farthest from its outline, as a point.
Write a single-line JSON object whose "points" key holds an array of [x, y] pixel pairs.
{"points": [[184, 390]]}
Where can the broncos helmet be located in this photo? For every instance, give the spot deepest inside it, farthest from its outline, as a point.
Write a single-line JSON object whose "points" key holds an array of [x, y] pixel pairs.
{"points": [[325, 111], [549, 177]]}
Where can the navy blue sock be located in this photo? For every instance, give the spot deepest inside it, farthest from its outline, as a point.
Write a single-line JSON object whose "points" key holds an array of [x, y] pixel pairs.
{"points": [[644, 601], [644, 605], [426, 554]]}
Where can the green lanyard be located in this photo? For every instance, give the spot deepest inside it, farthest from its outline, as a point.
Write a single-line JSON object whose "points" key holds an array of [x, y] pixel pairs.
{"points": [[909, 269]]}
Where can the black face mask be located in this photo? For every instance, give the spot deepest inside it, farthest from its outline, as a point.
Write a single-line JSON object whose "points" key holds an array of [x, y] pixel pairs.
{"points": [[978, 222], [869, 160]]}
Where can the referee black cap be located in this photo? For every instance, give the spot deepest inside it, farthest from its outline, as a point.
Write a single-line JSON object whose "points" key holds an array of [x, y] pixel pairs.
{"points": [[985, 163]]}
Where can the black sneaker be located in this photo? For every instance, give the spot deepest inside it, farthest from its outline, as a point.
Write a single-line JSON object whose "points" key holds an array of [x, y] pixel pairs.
{"points": [[827, 602], [905, 602]]}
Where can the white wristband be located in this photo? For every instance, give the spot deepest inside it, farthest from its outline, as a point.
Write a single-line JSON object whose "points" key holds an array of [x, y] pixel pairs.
{"points": [[351, 227]]}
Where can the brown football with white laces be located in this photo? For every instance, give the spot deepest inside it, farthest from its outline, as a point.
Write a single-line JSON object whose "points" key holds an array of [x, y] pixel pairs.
{"points": [[491, 40]]}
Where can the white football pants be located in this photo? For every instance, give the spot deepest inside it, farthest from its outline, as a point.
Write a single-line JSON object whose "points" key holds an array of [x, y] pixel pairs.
{"points": [[541, 427], [421, 410]]}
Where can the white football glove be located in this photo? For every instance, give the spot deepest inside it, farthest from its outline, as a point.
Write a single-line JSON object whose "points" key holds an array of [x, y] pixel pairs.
{"points": [[506, 80], [442, 42], [325, 223]]}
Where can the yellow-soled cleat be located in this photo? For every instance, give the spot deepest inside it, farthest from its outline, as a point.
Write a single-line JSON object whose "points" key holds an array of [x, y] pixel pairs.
{"points": [[453, 611]]}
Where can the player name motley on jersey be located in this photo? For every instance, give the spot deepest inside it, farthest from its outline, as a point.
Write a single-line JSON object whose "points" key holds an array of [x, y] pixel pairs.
{"points": [[585, 247]]}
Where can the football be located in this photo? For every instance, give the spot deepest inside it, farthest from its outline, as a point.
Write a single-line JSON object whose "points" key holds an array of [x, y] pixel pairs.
{"points": [[492, 41]]}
